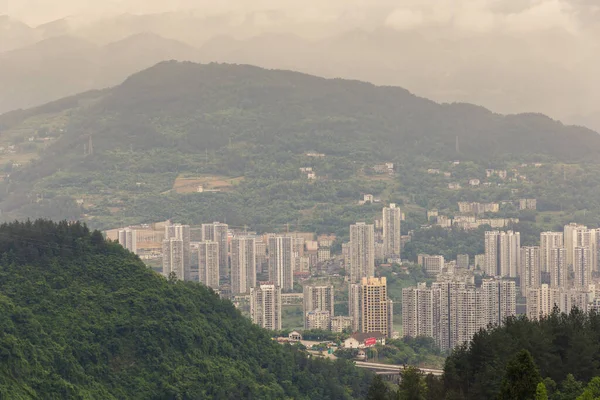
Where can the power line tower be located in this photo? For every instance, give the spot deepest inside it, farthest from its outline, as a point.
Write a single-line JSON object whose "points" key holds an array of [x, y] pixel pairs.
{"points": [[90, 146]]}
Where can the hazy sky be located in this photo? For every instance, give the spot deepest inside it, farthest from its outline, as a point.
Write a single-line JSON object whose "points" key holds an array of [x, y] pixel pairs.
{"points": [[468, 15], [545, 50]]}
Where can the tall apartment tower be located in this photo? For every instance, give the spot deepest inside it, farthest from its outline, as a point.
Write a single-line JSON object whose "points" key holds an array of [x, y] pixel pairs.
{"points": [[451, 312], [419, 311], [502, 253], [580, 236], [582, 267], [541, 301], [318, 298], [181, 232], [173, 258], [392, 217], [362, 251], [217, 232], [530, 274], [500, 300], [128, 239], [354, 309], [375, 306], [208, 264], [557, 264], [548, 242], [243, 264], [281, 262], [265, 306]]}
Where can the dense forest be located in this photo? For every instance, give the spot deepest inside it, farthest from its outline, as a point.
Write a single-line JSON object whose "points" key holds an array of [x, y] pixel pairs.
{"points": [[82, 318], [564, 352], [120, 150], [555, 358]]}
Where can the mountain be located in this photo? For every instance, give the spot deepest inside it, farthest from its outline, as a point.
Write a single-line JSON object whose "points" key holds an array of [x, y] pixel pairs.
{"points": [[15, 34], [82, 318], [66, 65], [251, 127]]}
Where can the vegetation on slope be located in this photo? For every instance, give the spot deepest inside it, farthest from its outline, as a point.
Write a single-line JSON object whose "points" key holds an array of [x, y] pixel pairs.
{"points": [[82, 318], [243, 121], [564, 348]]}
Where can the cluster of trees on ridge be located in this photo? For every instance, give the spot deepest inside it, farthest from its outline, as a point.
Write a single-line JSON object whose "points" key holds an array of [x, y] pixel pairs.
{"points": [[84, 318]]}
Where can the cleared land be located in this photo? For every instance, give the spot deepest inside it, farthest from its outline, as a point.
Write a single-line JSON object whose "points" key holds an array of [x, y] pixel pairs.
{"points": [[185, 184]]}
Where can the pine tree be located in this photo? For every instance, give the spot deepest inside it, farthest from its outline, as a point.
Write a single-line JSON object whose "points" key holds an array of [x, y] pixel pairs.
{"points": [[541, 393], [521, 378], [412, 385], [378, 390]]}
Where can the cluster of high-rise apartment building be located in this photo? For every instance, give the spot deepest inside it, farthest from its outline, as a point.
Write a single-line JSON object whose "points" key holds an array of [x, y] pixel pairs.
{"points": [[220, 256], [452, 310], [557, 273]]}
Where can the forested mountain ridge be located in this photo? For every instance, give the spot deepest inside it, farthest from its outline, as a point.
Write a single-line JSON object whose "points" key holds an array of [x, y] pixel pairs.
{"points": [[83, 318], [128, 144]]}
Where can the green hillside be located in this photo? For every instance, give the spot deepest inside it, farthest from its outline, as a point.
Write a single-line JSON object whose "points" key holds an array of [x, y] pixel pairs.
{"points": [[254, 127], [84, 319]]}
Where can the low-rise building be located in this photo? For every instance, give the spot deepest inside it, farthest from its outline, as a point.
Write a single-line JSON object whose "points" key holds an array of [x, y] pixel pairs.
{"points": [[362, 340]]}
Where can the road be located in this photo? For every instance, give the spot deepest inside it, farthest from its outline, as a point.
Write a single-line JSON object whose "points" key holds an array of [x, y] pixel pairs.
{"points": [[394, 368]]}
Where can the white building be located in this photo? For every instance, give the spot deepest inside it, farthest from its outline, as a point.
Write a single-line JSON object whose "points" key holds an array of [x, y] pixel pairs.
{"points": [[433, 265], [128, 239], [181, 232], [531, 275], [265, 306], [217, 232], [208, 264], [392, 217], [362, 251], [243, 264], [281, 262], [173, 261], [502, 253], [548, 242], [317, 319], [451, 311]]}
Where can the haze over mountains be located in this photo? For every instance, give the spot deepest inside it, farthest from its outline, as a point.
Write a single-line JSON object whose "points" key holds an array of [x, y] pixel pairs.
{"points": [[243, 121], [539, 56]]}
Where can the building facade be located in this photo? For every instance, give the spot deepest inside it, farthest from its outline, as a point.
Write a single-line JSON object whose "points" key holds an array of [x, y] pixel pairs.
{"points": [[265, 306], [502, 253], [281, 262], [128, 239], [375, 306], [243, 264], [173, 259], [530, 274], [217, 232], [208, 264], [548, 242], [362, 251], [452, 311], [392, 218]]}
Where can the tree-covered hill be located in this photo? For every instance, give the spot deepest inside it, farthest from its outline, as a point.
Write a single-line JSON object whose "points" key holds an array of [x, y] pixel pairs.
{"points": [[564, 350], [84, 319], [122, 148]]}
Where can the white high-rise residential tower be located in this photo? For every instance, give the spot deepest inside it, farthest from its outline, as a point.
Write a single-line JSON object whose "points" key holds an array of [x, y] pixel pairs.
{"points": [[265, 306], [217, 232], [392, 217], [208, 264], [502, 253], [530, 275], [173, 258], [243, 264], [181, 232], [362, 251], [128, 239], [281, 262], [548, 242]]}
